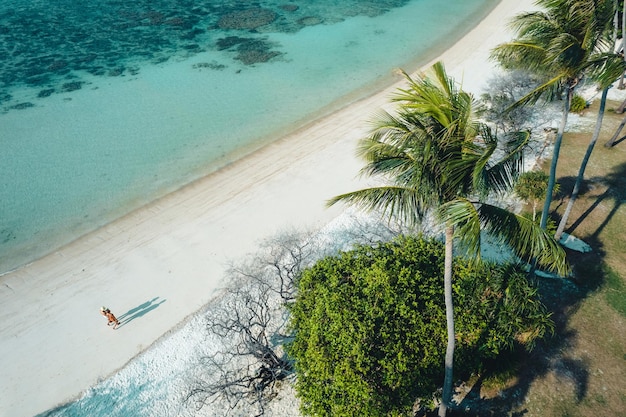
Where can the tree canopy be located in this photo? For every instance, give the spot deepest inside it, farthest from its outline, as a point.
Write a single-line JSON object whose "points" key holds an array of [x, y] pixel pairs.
{"points": [[369, 325]]}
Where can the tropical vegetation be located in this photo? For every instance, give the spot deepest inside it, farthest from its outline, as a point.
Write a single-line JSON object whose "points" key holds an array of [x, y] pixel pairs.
{"points": [[434, 155], [367, 324], [369, 331], [531, 187], [565, 42]]}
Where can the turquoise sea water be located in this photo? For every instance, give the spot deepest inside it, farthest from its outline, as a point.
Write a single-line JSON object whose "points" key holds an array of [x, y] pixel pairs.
{"points": [[105, 105]]}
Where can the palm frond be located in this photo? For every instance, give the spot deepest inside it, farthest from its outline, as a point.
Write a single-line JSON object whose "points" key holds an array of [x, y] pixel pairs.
{"points": [[501, 175], [445, 83], [528, 55], [528, 240], [404, 203], [530, 24], [430, 94], [606, 68], [549, 89], [565, 53], [522, 235]]}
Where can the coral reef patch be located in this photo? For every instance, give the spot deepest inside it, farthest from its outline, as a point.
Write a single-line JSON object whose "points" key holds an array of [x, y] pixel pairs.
{"points": [[249, 50], [246, 19], [44, 43]]}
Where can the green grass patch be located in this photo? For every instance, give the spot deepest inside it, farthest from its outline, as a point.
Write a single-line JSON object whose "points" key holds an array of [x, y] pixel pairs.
{"points": [[615, 291]]}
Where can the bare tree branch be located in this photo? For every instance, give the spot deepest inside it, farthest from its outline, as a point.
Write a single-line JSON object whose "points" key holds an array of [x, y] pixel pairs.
{"points": [[248, 323]]}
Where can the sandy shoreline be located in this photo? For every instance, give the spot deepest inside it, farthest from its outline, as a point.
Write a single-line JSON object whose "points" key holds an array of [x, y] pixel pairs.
{"points": [[163, 262]]}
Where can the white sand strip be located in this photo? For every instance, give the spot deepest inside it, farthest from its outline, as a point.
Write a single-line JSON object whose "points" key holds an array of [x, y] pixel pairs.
{"points": [[168, 258]]}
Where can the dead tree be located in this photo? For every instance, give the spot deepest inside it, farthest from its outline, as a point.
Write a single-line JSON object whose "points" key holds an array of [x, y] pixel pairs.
{"points": [[503, 92], [249, 362], [280, 261]]}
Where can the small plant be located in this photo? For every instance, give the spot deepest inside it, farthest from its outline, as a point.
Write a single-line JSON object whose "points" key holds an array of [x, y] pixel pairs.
{"points": [[578, 104], [531, 187]]}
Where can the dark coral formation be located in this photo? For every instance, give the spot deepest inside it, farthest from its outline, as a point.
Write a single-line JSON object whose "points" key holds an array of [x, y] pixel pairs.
{"points": [[230, 41], [72, 86], [310, 21], [254, 52], [209, 65], [45, 92], [45, 43], [22, 106], [249, 50], [247, 19]]}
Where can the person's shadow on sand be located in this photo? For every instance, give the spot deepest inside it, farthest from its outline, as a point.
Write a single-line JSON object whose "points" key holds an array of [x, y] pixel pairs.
{"points": [[139, 311]]}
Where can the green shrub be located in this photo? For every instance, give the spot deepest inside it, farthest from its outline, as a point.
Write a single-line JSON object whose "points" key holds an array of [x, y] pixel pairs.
{"points": [[531, 187], [578, 104], [369, 326]]}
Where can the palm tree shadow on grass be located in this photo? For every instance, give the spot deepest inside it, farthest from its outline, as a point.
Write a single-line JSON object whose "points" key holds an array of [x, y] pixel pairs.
{"points": [[551, 356], [615, 183], [139, 311]]}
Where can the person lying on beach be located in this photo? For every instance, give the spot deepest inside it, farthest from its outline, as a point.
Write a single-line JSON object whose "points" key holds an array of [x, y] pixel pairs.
{"points": [[110, 317]]}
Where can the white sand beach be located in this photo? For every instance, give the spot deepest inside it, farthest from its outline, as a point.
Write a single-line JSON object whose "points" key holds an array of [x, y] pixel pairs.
{"points": [[162, 263]]}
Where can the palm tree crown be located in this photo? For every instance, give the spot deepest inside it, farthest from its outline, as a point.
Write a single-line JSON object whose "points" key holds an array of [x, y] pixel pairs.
{"points": [[565, 42], [434, 153]]}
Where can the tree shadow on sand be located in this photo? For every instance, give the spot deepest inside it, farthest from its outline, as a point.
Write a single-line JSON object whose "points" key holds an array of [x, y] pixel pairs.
{"points": [[139, 311]]}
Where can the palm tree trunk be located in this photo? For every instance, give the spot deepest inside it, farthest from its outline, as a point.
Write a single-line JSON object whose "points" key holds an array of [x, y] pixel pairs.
{"points": [[583, 165], [555, 157], [621, 79], [449, 360], [615, 19], [611, 141]]}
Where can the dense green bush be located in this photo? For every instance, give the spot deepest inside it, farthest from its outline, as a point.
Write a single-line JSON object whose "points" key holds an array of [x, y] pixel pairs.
{"points": [[369, 326]]}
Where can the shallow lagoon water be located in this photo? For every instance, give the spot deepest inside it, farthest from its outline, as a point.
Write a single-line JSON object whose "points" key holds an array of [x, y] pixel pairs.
{"points": [[108, 105]]}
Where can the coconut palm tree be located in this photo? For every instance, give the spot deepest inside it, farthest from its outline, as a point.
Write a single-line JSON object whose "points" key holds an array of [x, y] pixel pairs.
{"points": [[583, 166], [618, 40], [605, 75], [531, 187], [564, 43], [434, 155], [607, 70]]}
